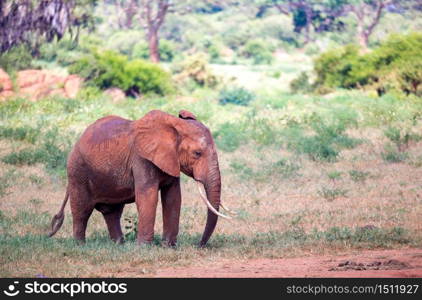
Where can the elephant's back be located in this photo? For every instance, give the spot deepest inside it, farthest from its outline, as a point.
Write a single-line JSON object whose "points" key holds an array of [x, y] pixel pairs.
{"points": [[105, 130], [104, 143]]}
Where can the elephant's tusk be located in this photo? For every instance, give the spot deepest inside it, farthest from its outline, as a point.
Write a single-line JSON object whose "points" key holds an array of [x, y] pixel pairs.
{"points": [[210, 207], [228, 210]]}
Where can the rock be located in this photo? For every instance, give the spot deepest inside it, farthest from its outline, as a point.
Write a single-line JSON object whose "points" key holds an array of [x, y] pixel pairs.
{"points": [[4, 95], [29, 78], [38, 84], [35, 91], [115, 94], [72, 85]]}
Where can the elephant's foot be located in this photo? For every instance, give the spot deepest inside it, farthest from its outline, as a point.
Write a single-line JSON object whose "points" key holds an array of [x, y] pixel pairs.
{"points": [[144, 241], [119, 240], [169, 244]]}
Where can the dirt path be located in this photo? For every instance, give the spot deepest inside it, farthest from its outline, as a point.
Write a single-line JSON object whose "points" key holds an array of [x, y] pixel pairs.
{"points": [[379, 263]]}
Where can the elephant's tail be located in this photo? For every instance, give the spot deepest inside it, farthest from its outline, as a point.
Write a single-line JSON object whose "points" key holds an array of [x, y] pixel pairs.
{"points": [[57, 221]]}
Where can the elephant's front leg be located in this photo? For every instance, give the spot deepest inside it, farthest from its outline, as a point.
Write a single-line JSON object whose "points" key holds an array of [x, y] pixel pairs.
{"points": [[171, 202], [146, 203]]}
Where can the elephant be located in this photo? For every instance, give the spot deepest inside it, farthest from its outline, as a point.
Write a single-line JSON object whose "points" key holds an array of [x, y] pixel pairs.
{"points": [[118, 161]]}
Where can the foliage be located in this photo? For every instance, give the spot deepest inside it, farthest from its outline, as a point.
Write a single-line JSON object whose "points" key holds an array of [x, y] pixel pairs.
{"points": [[31, 23], [167, 50], [393, 66], [196, 68], [235, 95], [229, 136], [332, 194], [301, 84], [358, 176], [258, 51], [401, 138], [326, 143], [52, 151], [24, 133], [392, 155], [110, 69], [16, 59]]}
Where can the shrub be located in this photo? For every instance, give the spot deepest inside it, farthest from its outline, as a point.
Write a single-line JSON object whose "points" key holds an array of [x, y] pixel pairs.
{"points": [[401, 138], [258, 51], [326, 143], [332, 194], [52, 151], [394, 66], [166, 49], [22, 157], [235, 95], [358, 176], [333, 67], [15, 59], [301, 84], [196, 68], [144, 77], [392, 155], [24, 133], [229, 137], [124, 41], [110, 69]]}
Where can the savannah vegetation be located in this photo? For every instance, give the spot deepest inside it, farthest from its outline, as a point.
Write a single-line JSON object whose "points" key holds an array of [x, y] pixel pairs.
{"points": [[316, 117]]}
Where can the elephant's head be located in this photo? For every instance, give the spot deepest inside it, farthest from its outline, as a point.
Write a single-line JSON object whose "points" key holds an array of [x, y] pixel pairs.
{"points": [[184, 144]]}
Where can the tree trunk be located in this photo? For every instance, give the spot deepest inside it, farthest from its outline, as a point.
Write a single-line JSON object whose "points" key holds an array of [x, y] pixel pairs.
{"points": [[130, 13], [308, 13], [363, 40], [154, 53]]}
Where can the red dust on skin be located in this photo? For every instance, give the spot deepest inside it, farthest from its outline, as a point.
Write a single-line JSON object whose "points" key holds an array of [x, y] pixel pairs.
{"points": [[407, 263]]}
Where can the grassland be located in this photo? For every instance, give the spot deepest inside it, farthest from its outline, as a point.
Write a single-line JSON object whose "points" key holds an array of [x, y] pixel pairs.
{"points": [[306, 174]]}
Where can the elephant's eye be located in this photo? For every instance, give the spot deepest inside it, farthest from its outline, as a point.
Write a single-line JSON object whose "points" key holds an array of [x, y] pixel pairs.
{"points": [[197, 154]]}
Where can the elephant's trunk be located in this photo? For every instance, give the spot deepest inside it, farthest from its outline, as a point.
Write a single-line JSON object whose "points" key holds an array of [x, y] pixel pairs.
{"points": [[213, 191]]}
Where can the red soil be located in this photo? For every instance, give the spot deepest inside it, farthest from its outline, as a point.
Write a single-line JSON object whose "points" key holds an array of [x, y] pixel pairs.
{"points": [[378, 263]]}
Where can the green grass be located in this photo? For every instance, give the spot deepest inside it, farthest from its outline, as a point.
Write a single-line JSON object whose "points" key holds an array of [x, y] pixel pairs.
{"points": [[17, 248], [331, 194]]}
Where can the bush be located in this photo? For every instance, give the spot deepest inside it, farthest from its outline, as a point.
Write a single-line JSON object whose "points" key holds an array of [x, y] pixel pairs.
{"points": [[212, 48], [235, 95], [258, 51], [52, 151], [124, 41], [326, 143], [333, 67], [401, 138], [166, 49], [301, 84], [196, 68], [16, 59], [229, 137], [110, 69], [394, 66], [24, 133], [392, 155]]}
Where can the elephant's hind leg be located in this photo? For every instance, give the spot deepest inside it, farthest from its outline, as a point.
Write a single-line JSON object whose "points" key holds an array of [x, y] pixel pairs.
{"points": [[81, 207], [112, 214]]}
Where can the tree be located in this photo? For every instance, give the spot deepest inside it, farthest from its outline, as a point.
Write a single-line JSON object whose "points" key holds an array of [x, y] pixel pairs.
{"points": [[33, 22], [310, 16], [153, 13], [368, 14]]}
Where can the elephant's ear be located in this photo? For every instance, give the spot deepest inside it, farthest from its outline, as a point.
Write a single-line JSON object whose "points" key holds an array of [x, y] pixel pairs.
{"points": [[157, 140], [184, 114]]}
